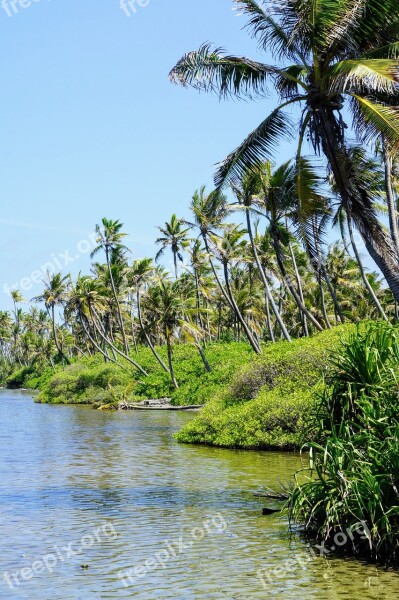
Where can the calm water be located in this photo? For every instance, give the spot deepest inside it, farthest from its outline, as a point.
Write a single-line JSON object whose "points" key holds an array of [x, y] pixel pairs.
{"points": [[146, 517]]}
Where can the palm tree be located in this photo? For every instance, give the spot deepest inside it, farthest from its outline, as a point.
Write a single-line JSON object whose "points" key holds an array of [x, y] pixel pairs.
{"points": [[368, 177], [140, 273], [110, 239], [209, 211], [55, 294], [168, 317], [275, 200], [336, 57], [230, 247], [175, 237], [246, 192]]}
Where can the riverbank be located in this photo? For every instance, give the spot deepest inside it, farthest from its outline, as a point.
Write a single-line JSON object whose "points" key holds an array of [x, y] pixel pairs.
{"points": [[250, 402]]}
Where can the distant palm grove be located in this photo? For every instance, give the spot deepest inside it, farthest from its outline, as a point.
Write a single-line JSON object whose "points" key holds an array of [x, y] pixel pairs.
{"points": [[276, 249]]}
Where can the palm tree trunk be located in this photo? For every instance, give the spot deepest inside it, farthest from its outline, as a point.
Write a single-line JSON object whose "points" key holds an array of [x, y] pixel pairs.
{"points": [[150, 344], [269, 323], [237, 311], [287, 280], [264, 280], [333, 295], [198, 299], [321, 272], [363, 273], [392, 212], [57, 344], [225, 296], [379, 243], [118, 307], [323, 303], [175, 264], [203, 356], [170, 361], [300, 290]]}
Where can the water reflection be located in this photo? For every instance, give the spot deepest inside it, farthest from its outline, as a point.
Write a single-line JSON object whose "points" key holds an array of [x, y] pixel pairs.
{"points": [[65, 471]]}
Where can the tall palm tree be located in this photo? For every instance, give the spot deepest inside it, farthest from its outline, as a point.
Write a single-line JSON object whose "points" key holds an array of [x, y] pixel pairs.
{"points": [[174, 236], [209, 211], [275, 201], [140, 273], [246, 192], [231, 247], [338, 60], [55, 294], [109, 238]]}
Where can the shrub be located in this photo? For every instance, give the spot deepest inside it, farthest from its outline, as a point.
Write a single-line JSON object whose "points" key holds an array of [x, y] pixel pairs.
{"points": [[354, 472], [86, 380], [269, 402], [82, 383], [19, 377]]}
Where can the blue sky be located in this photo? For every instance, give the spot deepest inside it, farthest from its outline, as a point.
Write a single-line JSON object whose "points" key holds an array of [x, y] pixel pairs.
{"points": [[92, 127]]}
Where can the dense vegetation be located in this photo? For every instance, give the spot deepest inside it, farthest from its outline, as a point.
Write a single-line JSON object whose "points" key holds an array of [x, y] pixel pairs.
{"points": [[354, 474], [92, 381], [270, 402]]}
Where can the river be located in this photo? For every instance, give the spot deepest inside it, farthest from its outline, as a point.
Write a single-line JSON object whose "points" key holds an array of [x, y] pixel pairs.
{"points": [[100, 505]]}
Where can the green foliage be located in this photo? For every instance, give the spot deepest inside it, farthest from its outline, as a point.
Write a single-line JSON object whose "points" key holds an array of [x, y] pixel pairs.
{"points": [[18, 378], [84, 383], [354, 474], [270, 421], [270, 401], [88, 380]]}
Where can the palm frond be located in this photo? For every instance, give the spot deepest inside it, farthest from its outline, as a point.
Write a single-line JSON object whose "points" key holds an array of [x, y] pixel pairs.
{"points": [[211, 69], [267, 31], [376, 75], [256, 148], [372, 119], [390, 51]]}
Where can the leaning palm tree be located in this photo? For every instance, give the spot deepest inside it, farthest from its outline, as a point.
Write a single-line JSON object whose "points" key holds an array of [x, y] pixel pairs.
{"points": [[246, 192], [175, 237], [230, 247], [109, 238], [141, 271], [209, 211], [338, 61]]}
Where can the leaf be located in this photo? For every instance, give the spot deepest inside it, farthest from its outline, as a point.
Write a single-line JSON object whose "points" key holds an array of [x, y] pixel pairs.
{"points": [[372, 119], [213, 70], [256, 148], [377, 75]]}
